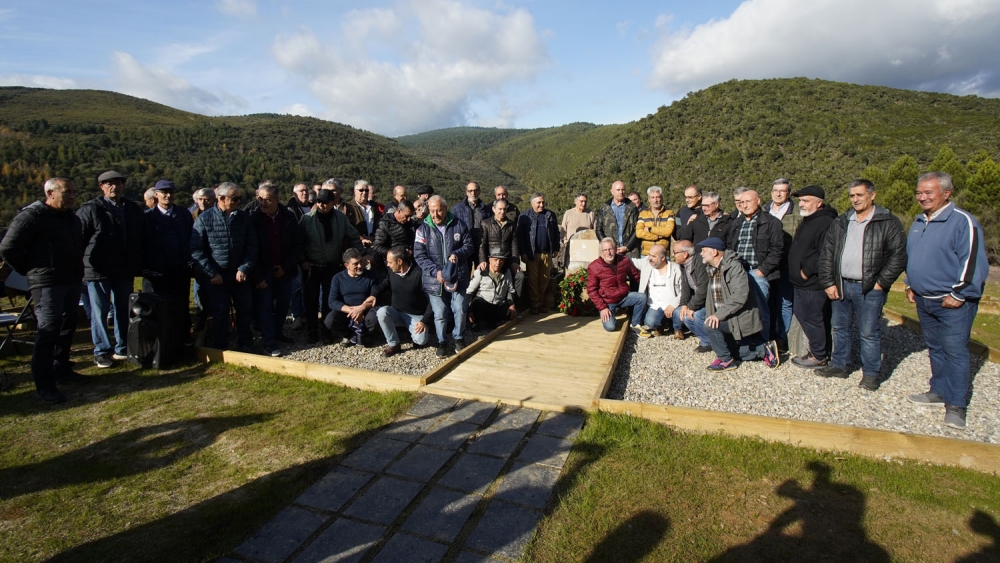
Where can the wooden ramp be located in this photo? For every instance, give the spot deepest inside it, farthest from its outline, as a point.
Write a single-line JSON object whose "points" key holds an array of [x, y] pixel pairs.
{"points": [[552, 362]]}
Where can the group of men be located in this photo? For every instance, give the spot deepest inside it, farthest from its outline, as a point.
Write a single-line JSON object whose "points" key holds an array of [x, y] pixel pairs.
{"points": [[760, 266]]}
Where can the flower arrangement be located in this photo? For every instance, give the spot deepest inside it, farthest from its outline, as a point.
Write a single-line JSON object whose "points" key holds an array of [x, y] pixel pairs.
{"points": [[573, 299]]}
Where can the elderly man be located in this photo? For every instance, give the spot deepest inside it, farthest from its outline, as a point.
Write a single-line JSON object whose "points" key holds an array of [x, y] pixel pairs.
{"points": [[499, 239], [203, 199], [662, 281], [578, 218], [280, 243], [782, 291], [166, 252], [352, 298], [537, 236], [224, 247], [325, 231], [472, 211], [44, 244], [655, 224], [419, 212], [608, 282], [711, 222], [491, 294], [398, 195], [395, 229], [864, 253], [443, 250], [616, 220], [299, 204], [692, 206], [362, 214], [336, 186], [812, 306], [500, 192], [149, 197], [112, 233], [408, 304], [694, 292], [945, 276], [758, 239], [732, 318]]}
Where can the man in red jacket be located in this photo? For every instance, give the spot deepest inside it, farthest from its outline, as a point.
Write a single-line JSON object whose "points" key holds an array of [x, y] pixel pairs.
{"points": [[608, 288]]}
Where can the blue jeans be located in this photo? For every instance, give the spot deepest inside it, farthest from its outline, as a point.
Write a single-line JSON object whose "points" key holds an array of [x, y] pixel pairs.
{"points": [[655, 317], [946, 332], [457, 306], [866, 311], [635, 300], [781, 299], [763, 289], [271, 307], [723, 344], [102, 294], [389, 319], [241, 297], [695, 325]]}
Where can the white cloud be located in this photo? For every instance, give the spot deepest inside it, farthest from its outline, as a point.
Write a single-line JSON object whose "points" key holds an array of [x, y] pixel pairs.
{"points": [[298, 109], [38, 81], [940, 45], [239, 8], [177, 54], [416, 66], [160, 85]]}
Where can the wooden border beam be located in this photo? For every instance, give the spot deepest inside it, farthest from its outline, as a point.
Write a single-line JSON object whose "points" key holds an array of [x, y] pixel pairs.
{"points": [[440, 371]]}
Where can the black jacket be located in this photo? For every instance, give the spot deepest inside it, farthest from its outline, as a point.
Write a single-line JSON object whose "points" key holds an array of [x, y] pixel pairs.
{"points": [[392, 233], [695, 298], [114, 242], [768, 242], [499, 238], [166, 240], [883, 252], [45, 245], [293, 206], [803, 256], [606, 225], [291, 242], [698, 230]]}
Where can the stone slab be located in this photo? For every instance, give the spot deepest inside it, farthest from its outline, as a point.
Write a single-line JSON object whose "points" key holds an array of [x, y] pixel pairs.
{"points": [[346, 541], [383, 502], [469, 557], [277, 539], [375, 454], [561, 425], [441, 515], [516, 418], [528, 484], [450, 435], [496, 442], [404, 548], [546, 450], [504, 530], [420, 463], [472, 473], [432, 406], [409, 429], [334, 489], [473, 412]]}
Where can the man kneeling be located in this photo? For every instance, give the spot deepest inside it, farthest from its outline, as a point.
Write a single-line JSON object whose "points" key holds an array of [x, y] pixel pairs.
{"points": [[409, 305], [492, 294], [608, 288], [733, 317], [352, 295]]}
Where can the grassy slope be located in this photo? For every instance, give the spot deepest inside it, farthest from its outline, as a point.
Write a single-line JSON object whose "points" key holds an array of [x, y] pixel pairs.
{"points": [[112, 110]]}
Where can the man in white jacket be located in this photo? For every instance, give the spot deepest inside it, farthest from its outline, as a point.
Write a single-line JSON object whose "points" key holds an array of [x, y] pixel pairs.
{"points": [[661, 280], [491, 294]]}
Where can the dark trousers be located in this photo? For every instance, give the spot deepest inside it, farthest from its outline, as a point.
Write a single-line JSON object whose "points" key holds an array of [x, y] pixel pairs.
{"points": [[316, 281], [812, 309], [55, 313], [240, 296], [725, 345], [487, 314], [341, 325], [175, 283], [271, 305]]}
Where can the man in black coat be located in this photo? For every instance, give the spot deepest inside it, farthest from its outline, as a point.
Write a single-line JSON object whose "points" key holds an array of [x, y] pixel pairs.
{"points": [[811, 305], [166, 253], [45, 244], [279, 243], [395, 229], [112, 233], [757, 238]]}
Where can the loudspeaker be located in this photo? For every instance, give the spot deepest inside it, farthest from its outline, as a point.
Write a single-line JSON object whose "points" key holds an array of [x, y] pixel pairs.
{"points": [[152, 330]]}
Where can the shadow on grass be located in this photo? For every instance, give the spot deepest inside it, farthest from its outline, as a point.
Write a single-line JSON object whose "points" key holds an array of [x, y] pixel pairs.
{"points": [[632, 540], [984, 525], [147, 449], [830, 520]]}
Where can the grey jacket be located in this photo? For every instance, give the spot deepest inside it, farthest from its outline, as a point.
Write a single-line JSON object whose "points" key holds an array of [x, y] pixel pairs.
{"points": [[737, 306]]}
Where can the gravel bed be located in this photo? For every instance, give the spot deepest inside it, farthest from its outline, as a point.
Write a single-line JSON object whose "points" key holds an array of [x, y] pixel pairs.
{"points": [[665, 371]]}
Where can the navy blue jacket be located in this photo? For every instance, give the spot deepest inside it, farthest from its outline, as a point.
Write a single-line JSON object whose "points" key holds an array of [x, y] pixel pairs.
{"points": [[527, 229], [166, 240], [431, 251], [219, 246]]}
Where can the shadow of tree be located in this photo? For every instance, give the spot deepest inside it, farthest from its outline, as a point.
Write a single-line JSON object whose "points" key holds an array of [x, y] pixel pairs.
{"points": [[984, 525]]}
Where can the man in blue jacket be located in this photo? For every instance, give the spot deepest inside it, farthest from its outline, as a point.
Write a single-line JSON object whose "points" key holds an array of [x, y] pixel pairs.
{"points": [[538, 240], [443, 250], [945, 276], [224, 246]]}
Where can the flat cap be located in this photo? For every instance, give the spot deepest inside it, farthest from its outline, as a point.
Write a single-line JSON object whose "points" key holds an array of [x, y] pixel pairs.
{"points": [[164, 186], [815, 191], [111, 175], [325, 196], [425, 189]]}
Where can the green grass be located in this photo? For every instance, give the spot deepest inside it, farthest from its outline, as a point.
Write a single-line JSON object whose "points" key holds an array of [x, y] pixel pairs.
{"points": [[985, 329], [182, 465], [638, 491]]}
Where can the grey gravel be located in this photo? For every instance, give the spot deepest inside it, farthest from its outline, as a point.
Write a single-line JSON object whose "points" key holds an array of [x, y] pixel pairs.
{"points": [[665, 371]]}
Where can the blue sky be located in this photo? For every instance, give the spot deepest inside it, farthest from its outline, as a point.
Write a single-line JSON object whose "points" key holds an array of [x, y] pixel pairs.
{"points": [[404, 66]]}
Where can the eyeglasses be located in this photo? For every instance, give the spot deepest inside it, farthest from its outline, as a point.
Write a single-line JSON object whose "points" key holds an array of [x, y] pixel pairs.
{"points": [[691, 197], [231, 197]]}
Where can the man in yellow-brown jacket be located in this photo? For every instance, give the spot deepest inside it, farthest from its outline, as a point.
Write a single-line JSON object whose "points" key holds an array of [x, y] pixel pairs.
{"points": [[655, 224]]}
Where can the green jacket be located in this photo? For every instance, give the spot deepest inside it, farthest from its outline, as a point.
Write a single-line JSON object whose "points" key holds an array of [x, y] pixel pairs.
{"points": [[320, 251]]}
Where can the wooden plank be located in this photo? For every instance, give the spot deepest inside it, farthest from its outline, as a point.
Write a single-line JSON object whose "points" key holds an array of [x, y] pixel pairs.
{"points": [[821, 436], [609, 373], [471, 349], [529, 402]]}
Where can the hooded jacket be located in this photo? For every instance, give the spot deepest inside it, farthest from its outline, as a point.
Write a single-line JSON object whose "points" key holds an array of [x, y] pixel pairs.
{"points": [[803, 255]]}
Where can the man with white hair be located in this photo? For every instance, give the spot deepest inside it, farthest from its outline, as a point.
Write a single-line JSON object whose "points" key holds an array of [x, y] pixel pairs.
{"points": [[44, 243], [608, 281], [711, 222], [758, 239], [363, 215]]}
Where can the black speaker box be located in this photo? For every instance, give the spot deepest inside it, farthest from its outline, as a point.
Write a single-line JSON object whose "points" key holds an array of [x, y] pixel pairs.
{"points": [[153, 329]]}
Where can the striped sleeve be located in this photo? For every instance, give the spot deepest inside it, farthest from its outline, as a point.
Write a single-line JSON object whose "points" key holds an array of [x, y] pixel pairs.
{"points": [[967, 249]]}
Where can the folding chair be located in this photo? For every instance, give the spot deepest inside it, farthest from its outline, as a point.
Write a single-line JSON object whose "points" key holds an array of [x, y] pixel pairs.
{"points": [[16, 285]]}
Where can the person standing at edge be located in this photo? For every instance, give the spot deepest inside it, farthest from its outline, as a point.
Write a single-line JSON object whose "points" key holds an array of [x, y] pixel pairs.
{"points": [[945, 277]]}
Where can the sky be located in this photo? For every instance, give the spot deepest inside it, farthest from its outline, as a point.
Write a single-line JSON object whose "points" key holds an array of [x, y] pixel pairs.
{"points": [[405, 66]]}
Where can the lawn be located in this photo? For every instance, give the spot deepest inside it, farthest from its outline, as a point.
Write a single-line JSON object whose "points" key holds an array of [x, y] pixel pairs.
{"points": [[985, 329]]}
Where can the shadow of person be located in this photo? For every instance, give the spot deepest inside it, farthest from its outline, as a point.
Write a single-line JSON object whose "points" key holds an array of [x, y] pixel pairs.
{"points": [[148, 448], [984, 525], [829, 517], [632, 540]]}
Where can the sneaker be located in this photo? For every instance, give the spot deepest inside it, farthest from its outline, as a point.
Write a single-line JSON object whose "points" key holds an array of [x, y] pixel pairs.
{"points": [[868, 382], [71, 377], [641, 331], [928, 399], [719, 365], [678, 335], [459, 344], [808, 362], [954, 417], [52, 395], [442, 351], [119, 357], [832, 371], [701, 349], [771, 358], [104, 361], [273, 352], [390, 351]]}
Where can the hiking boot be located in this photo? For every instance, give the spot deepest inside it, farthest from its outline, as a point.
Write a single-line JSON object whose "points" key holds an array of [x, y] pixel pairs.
{"points": [[641, 331], [52, 395], [869, 382], [928, 399], [442, 351], [701, 349], [771, 357], [71, 377], [459, 344], [833, 371], [390, 351], [808, 362], [954, 417], [678, 335], [719, 365], [104, 361]]}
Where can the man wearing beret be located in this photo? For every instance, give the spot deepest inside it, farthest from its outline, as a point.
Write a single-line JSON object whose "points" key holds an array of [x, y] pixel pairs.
{"points": [[112, 233], [166, 252]]}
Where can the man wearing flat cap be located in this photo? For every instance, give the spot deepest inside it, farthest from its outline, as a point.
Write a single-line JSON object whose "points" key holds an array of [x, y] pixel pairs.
{"points": [[112, 257], [166, 251], [491, 293], [425, 192], [811, 305]]}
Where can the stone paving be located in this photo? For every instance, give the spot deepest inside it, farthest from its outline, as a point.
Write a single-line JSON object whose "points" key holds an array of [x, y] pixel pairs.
{"points": [[452, 482]]}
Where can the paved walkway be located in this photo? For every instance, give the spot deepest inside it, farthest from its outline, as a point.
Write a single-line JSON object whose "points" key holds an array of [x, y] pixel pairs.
{"points": [[450, 482]]}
